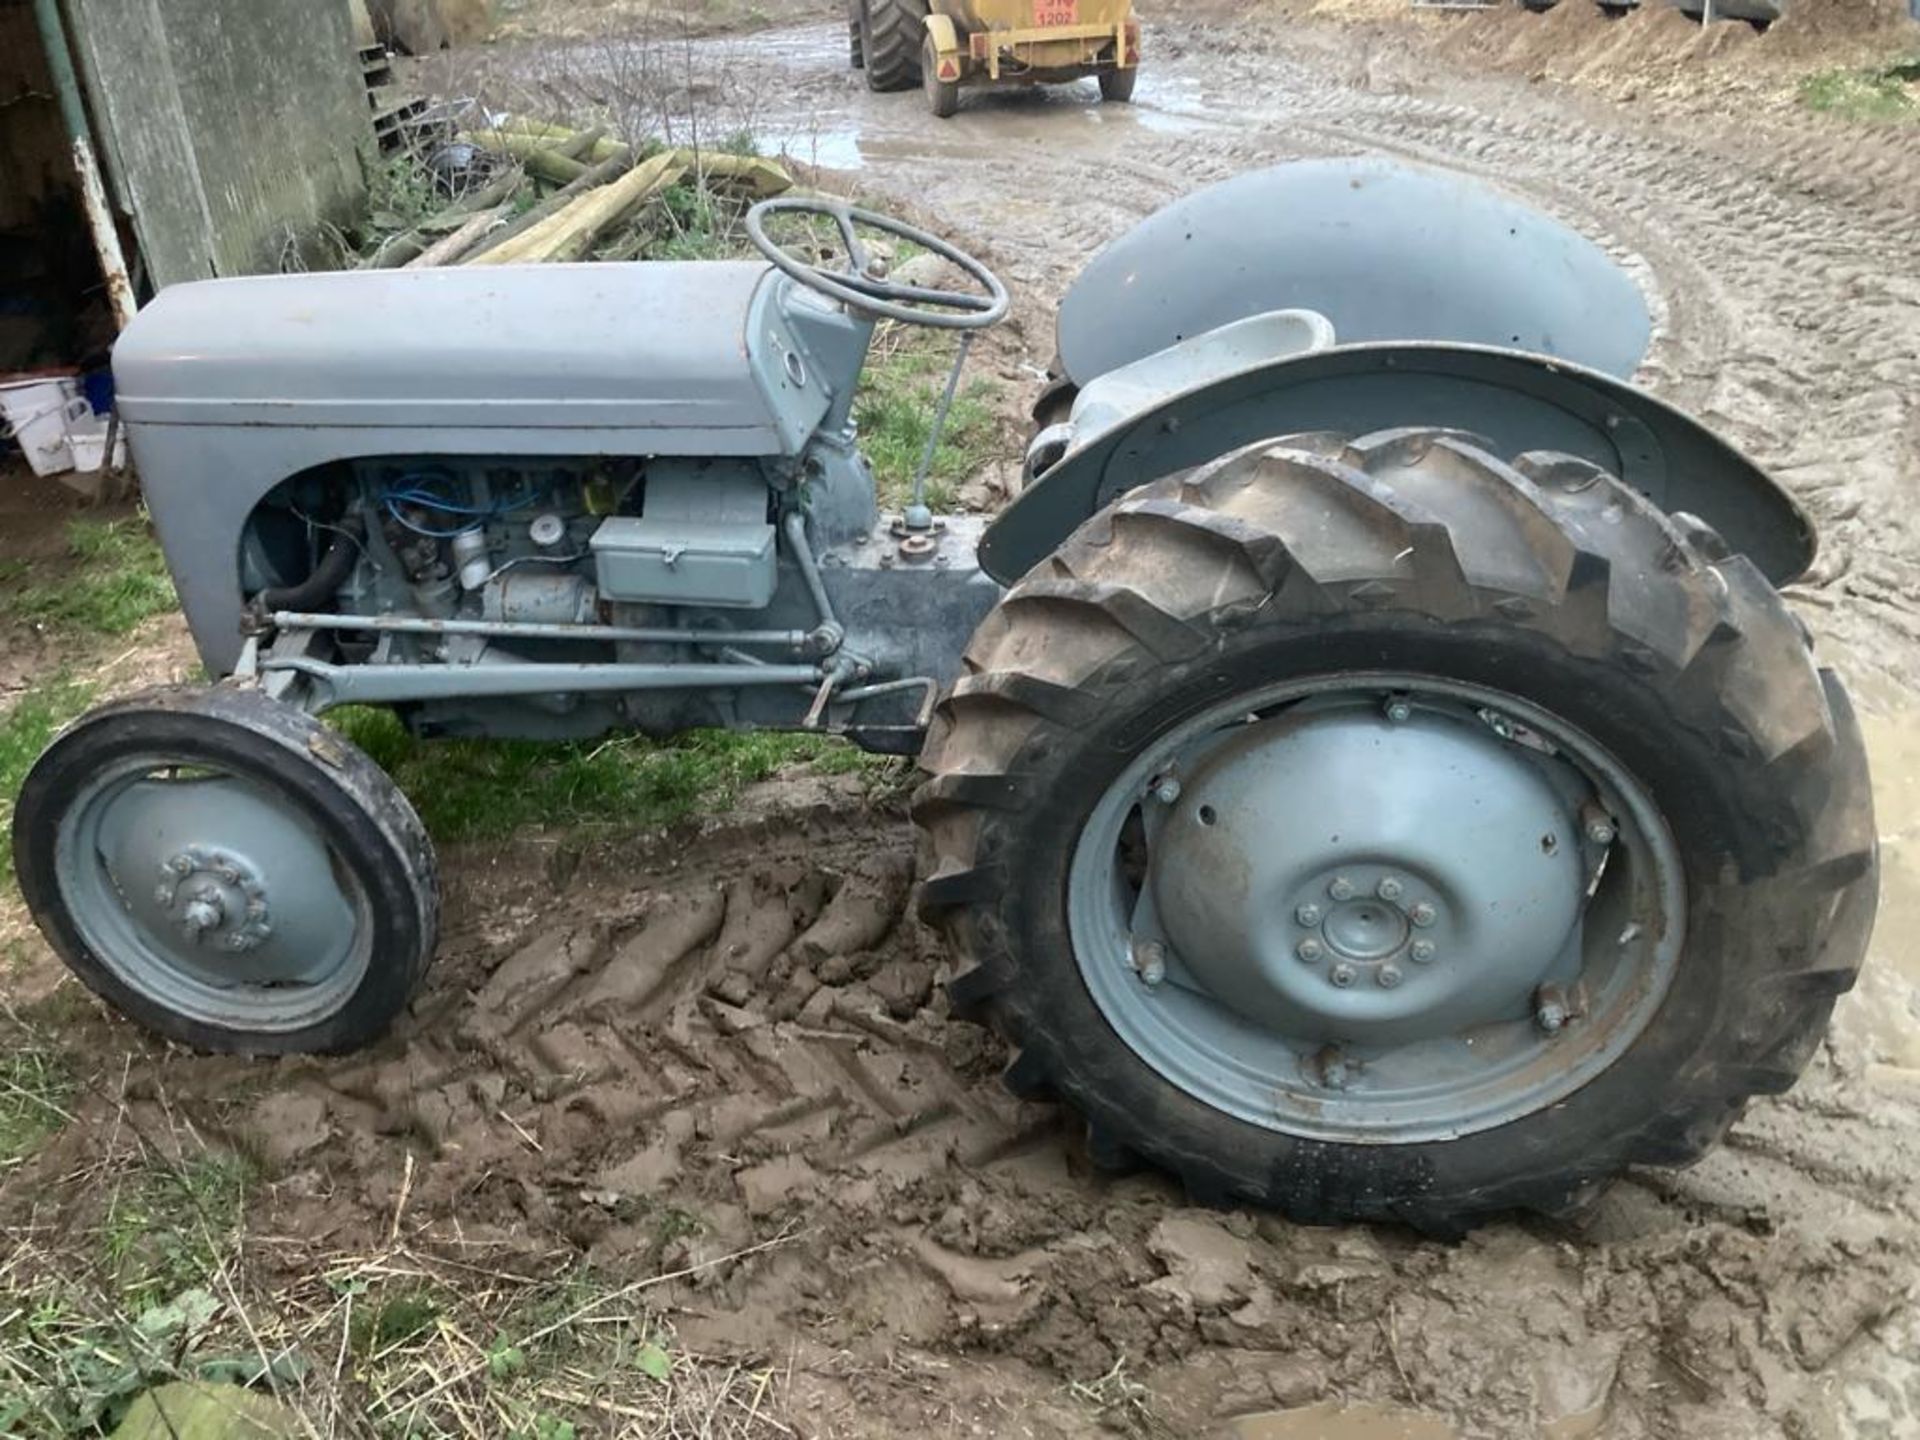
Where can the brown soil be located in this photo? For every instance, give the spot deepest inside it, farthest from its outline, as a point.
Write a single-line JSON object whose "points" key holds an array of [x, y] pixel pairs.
{"points": [[745, 1025]]}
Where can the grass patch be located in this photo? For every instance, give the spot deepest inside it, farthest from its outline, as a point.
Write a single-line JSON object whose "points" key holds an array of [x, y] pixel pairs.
{"points": [[36, 717], [35, 1085], [169, 1226], [487, 789], [899, 396], [113, 577], [1889, 93]]}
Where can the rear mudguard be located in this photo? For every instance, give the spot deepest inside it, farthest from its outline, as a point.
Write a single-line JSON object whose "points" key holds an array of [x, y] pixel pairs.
{"points": [[1517, 402], [1386, 251]]}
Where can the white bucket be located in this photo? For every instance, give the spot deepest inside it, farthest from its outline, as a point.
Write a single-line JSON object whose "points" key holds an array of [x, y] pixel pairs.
{"points": [[36, 415]]}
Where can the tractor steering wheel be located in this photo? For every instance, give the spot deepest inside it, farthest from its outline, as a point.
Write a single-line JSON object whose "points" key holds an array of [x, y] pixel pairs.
{"points": [[863, 283]]}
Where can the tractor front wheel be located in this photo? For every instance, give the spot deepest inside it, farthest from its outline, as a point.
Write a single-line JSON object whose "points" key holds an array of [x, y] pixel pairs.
{"points": [[1380, 830], [228, 871]]}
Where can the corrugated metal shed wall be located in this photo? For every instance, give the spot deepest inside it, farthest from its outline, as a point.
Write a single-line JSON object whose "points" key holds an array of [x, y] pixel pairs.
{"points": [[232, 128]]}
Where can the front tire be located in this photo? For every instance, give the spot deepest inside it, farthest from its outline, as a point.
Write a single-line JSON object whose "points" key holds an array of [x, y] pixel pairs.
{"points": [[228, 872], [1398, 687]]}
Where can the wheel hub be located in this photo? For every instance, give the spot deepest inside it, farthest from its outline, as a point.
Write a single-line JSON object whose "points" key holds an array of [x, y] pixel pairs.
{"points": [[1341, 874], [214, 897]]}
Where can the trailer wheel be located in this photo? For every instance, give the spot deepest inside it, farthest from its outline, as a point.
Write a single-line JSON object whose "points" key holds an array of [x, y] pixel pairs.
{"points": [[1116, 86], [943, 96], [893, 37], [857, 34], [228, 871], [1377, 830]]}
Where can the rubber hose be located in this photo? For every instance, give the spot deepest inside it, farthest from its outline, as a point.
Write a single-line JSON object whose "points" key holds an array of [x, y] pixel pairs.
{"points": [[327, 576]]}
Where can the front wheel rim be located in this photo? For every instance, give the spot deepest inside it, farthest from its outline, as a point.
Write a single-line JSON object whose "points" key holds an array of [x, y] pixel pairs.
{"points": [[1383, 909], [208, 893]]}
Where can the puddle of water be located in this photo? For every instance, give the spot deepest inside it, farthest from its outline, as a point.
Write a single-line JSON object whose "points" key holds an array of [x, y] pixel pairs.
{"points": [[834, 149], [1342, 1422]]}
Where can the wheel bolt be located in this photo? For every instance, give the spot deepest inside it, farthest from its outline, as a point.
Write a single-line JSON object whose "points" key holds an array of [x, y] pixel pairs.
{"points": [[1551, 1017], [1343, 975], [1389, 889], [1341, 888], [1308, 915], [1423, 915], [1600, 832], [1167, 790], [1399, 711], [1389, 977], [1150, 960], [1422, 952], [1309, 950]]}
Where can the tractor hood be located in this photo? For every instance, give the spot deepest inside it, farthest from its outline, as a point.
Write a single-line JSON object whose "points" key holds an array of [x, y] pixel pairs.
{"points": [[660, 349], [1387, 252]]}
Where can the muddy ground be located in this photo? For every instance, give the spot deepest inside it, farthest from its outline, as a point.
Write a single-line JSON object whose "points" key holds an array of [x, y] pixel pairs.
{"points": [[744, 1026]]}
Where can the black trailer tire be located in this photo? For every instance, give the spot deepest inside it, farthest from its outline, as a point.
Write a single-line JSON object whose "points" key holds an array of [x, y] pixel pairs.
{"points": [[1544, 579], [895, 31], [1116, 86], [857, 33], [291, 958], [943, 96]]}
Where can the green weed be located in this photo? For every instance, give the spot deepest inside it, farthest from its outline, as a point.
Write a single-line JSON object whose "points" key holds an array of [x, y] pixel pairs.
{"points": [[485, 789], [899, 397], [36, 717], [35, 1085], [169, 1225], [114, 577], [1890, 93]]}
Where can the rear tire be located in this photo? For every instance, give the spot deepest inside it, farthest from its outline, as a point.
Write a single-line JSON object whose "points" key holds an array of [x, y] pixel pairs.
{"points": [[943, 96], [297, 901], [857, 34], [895, 30], [1116, 86], [1312, 562]]}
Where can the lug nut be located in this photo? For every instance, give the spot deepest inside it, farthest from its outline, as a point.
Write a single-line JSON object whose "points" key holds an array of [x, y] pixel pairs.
{"points": [[1399, 711], [1422, 952], [1308, 915], [1309, 950], [1423, 915], [1343, 975], [1551, 1017], [1150, 960], [1600, 832], [1167, 790], [1389, 977], [1341, 888], [1389, 889]]}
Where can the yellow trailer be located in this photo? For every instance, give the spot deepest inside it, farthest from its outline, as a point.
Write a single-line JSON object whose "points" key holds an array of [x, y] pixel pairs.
{"points": [[946, 44]]}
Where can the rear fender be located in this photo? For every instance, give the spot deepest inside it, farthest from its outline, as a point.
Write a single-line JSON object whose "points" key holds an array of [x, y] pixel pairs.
{"points": [[1386, 251], [946, 38], [1518, 402]]}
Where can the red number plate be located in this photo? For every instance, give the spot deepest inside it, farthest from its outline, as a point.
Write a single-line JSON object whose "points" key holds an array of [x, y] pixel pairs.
{"points": [[1048, 13]]}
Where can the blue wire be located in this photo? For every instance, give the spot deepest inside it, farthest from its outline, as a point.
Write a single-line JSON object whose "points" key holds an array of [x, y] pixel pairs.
{"points": [[411, 493]]}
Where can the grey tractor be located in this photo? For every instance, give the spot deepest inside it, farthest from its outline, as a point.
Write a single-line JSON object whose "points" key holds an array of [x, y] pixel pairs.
{"points": [[1370, 769]]}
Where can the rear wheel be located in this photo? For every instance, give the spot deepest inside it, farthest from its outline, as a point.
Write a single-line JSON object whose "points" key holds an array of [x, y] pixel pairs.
{"points": [[1378, 830], [857, 34], [895, 30], [228, 872], [1116, 86], [943, 96]]}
